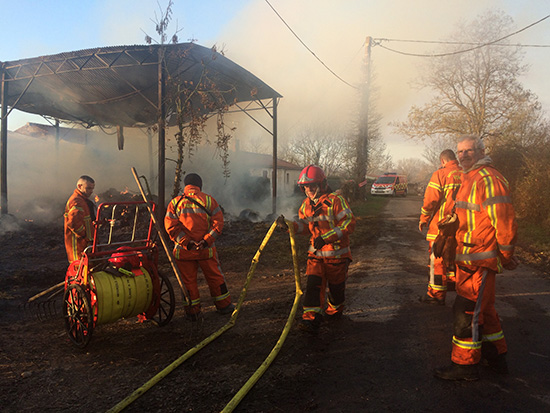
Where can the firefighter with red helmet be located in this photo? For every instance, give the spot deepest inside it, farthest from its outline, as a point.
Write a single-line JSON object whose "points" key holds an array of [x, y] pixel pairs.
{"points": [[328, 219], [438, 204], [193, 221], [78, 217], [486, 237]]}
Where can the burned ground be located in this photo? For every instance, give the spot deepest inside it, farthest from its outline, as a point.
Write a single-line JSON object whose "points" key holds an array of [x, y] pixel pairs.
{"points": [[379, 357]]}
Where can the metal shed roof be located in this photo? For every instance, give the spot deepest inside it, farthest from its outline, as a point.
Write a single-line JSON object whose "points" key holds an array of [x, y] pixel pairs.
{"points": [[119, 85], [125, 86]]}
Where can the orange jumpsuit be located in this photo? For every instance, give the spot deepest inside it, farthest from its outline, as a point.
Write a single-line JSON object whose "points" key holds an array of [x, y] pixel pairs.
{"points": [[486, 239], [332, 219], [78, 217], [196, 216], [437, 204]]}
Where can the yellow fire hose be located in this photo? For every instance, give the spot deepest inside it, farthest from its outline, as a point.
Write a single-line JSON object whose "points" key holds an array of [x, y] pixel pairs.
{"points": [[267, 362], [256, 376]]}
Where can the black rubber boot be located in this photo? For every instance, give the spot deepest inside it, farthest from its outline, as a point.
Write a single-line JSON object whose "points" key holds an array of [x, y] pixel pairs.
{"points": [[458, 372], [226, 310], [311, 326], [428, 299]]}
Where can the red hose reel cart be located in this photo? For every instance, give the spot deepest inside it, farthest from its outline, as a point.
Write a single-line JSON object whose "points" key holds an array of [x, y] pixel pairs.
{"points": [[117, 276]]}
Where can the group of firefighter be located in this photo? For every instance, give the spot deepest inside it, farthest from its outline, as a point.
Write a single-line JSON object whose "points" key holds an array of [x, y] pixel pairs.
{"points": [[471, 233]]}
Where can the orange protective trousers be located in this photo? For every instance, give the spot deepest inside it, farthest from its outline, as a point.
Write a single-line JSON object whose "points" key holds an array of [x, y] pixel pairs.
{"points": [[439, 276], [214, 278], [319, 275], [477, 329]]}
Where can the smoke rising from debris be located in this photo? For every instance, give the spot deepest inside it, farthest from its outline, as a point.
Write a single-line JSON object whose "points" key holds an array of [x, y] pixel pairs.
{"points": [[42, 174]]}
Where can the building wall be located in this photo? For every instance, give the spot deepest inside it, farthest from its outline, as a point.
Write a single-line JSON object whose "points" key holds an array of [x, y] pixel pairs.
{"points": [[286, 179]]}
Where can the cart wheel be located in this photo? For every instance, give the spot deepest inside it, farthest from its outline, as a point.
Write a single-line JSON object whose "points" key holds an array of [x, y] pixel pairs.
{"points": [[78, 315], [167, 302]]}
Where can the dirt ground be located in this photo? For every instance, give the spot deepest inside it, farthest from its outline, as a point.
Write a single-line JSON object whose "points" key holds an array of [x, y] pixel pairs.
{"points": [[379, 357]]}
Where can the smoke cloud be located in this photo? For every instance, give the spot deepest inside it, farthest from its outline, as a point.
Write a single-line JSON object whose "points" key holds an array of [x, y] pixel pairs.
{"points": [[336, 32], [42, 174]]}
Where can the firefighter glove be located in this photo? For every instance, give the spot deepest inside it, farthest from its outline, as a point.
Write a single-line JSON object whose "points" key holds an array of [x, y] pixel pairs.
{"points": [[319, 243], [438, 246], [281, 223], [191, 245], [512, 264], [202, 245]]}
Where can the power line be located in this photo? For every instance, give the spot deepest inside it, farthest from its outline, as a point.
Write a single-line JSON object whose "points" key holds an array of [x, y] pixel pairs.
{"points": [[478, 46], [460, 43], [300, 40]]}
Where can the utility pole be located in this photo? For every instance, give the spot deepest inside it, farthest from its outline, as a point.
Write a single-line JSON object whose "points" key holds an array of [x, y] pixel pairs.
{"points": [[3, 143], [363, 133], [161, 131]]}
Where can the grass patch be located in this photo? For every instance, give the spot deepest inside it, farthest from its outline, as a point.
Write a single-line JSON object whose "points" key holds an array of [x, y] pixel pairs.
{"points": [[371, 207], [534, 236], [534, 245], [240, 240]]}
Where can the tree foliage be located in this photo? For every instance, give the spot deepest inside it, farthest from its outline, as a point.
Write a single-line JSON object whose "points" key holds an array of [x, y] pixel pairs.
{"points": [[531, 189], [477, 91], [318, 146], [417, 172]]}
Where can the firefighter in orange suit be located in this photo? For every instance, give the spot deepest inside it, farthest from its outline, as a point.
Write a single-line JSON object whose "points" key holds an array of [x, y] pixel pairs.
{"points": [[327, 217], [486, 237], [78, 218], [193, 221], [438, 203]]}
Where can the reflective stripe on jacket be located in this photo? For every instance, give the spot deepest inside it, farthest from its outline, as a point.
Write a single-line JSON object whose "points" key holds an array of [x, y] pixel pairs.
{"points": [[438, 196], [487, 233], [193, 216], [332, 219]]}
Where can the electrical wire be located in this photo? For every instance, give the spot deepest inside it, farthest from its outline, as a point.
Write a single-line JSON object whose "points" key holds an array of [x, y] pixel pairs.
{"points": [[459, 43], [494, 42], [309, 50]]}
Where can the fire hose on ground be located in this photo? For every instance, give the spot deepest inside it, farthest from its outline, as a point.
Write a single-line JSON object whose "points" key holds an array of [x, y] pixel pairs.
{"points": [[267, 362]]}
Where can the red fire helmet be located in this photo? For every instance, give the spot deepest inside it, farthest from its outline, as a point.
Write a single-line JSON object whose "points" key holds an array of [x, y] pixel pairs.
{"points": [[312, 174], [123, 257]]}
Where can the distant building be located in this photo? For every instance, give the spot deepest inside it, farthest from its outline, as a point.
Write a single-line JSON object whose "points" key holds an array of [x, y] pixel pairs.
{"points": [[261, 165], [42, 131]]}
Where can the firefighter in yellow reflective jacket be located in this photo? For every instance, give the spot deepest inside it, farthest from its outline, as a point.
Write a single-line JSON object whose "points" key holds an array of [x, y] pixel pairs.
{"points": [[438, 203], [78, 218], [193, 221], [327, 217], [486, 237]]}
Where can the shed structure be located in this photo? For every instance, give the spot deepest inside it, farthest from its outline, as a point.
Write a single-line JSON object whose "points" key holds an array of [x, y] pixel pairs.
{"points": [[127, 86]]}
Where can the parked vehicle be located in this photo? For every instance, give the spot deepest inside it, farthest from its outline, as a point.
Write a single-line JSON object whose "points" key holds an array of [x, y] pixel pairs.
{"points": [[390, 183]]}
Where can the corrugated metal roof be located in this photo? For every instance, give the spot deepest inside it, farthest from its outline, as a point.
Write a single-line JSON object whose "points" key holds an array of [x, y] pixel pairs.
{"points": [[119, 85]]}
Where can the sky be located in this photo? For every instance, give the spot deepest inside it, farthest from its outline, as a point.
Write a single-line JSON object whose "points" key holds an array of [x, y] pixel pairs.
{"points": [[252, 35]]}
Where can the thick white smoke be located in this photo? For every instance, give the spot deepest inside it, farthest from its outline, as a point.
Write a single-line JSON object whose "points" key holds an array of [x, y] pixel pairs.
{"points": [[42, 174]]}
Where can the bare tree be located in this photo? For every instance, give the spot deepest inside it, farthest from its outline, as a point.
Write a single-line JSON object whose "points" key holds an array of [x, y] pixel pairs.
{"points": [[477, 91], [257, 145], [193, 104], [417, 172], [319, 146], [432, 152]]}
